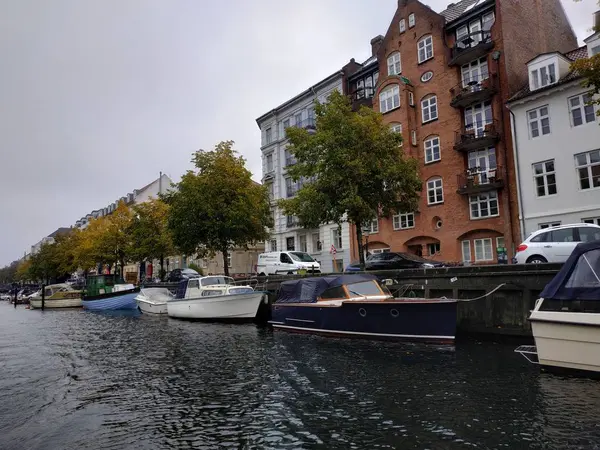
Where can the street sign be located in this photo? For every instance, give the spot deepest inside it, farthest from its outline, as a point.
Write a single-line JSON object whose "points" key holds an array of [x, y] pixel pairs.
{"points": [[333, 251]]}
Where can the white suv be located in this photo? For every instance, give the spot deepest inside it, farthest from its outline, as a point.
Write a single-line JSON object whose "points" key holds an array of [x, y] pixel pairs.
{"points": [[555, 244]]}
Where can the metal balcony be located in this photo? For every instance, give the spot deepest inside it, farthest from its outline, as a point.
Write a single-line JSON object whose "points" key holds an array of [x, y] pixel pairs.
{"points": [[477, 135], [470, 47], [477, 180], [475, 91]]}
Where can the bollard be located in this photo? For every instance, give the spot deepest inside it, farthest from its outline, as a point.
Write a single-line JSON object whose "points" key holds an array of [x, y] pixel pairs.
{"points": [[16, 292], [43, 295]]}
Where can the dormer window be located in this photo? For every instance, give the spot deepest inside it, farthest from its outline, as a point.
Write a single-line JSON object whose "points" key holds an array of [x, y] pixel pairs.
{"points": [[543, 76], [596, 50]]}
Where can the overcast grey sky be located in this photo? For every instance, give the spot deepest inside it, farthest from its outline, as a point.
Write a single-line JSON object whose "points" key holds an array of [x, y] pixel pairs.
{"points": [[98, 96]]}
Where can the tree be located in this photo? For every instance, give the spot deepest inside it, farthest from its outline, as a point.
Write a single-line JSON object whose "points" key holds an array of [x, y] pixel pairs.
{"points": [[22, 272], [8, 273], [218, 206], [115, 242], [352, 168], [150, 235]]}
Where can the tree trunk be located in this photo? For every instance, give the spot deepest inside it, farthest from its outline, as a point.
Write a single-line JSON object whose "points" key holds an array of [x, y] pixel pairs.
{"points": [[361, 254], [225, 252], [162, 270]]}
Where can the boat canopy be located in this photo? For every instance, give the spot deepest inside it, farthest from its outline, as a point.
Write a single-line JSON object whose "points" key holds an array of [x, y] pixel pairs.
{"points": [[307, 290], [579, 278]]}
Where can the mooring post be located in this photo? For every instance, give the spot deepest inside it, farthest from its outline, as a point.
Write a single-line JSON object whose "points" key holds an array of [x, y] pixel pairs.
{"points": [[43, 295], [16, 292]]}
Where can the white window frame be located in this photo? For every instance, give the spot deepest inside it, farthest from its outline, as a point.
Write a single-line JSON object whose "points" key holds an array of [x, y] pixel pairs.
{"points": [[546, 225], [544, 175], [588, 167], [403, 221], [315, 243], [402, 25], [389, 98], [411, 20], [394, 64], [498, 240], [396, 127], [269, 162], [476, 70], [538, 120], [336, 238], [411, 98], [374, 226], [268, 136], [435, 244], [481, 199], [583, 108], [482, 242], [273, 244], [430, 145], [544, 76], [437, 190], [466, 258], [413, 137], [429, 109], [425, 49], [301, 247], [592, 220]]}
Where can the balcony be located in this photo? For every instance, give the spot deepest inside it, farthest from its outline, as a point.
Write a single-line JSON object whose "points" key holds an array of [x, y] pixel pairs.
{"points": [[475, 91], [290, 161], [477, 135], [308, 124], [470, 47], [477, 180], [362, 97]]}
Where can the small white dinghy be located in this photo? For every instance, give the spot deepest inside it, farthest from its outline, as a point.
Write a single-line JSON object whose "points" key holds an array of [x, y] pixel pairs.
{"points": [[153, 300]]}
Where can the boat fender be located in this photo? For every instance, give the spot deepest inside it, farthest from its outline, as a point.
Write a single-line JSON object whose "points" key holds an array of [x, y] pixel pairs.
{"points": [[265, 299]]}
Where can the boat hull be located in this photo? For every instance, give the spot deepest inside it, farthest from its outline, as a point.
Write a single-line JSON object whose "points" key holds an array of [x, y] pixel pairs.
{"points": [[113, 301], [56, 303], [429, 321], [223, 307], [150, 307], [567, 340]]}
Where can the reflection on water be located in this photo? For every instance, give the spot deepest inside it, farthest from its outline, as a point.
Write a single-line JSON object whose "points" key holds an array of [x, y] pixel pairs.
{"points": [[76, 380]]}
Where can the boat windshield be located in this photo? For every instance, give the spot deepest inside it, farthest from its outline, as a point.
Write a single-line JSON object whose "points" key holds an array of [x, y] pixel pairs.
{"points": [[302, 257], [587, 271], [212, 281], [241, 290], [364, 288]]}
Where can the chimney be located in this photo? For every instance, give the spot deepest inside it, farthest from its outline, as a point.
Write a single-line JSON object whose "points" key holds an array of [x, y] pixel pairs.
{"points": [[376, 44], [597, 21]]}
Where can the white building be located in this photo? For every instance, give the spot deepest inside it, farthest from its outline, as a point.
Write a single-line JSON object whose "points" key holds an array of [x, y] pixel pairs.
{"points": [[48, 240], [287, 234], [557, 143]]}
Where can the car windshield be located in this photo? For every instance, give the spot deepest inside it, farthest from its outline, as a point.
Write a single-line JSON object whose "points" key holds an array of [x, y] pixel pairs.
{"points": [[364, 288], [301, 256], [211, 281]]}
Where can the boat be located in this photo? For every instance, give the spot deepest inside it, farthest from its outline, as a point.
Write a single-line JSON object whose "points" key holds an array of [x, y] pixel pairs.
{"points": [[565, 321], [60, 295], [214, 298], [358, 306], [153, 300], [102, 293]]}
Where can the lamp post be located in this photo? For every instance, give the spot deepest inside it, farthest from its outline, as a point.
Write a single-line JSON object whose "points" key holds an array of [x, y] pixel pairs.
{"points": [[366, 231]]}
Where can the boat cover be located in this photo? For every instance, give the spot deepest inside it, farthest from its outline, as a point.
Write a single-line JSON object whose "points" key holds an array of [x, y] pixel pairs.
{"points": [[306, 290], [579, 277], [157, 295], [181, 289]]}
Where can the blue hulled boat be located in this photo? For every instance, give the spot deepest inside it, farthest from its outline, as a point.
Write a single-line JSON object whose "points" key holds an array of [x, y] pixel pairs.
{"points": [[103, 294], [359, 306]]}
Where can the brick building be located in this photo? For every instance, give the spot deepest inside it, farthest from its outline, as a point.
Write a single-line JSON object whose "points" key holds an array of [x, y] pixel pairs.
{"points": [[443, 82]]}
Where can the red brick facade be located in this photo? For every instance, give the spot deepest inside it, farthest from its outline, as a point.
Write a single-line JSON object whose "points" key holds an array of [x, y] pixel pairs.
{"points": [[450, 223]]}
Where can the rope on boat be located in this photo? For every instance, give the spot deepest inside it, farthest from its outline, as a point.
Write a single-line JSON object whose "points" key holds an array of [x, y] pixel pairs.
{"points": [[481, 296]]}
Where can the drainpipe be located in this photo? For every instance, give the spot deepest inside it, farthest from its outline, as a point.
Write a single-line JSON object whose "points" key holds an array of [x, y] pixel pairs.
{"points": [[160, 182], [513, 131]]}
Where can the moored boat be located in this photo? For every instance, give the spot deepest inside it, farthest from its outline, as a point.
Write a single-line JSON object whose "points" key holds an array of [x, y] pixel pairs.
{"points": [[153, 300], [566, 318], [214, 298], [359, 306], [59, 295], [103, 294]]}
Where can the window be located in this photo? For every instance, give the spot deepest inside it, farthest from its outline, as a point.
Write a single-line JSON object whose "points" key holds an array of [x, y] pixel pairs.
{"points": [[432, 149], [289, 245], [334, 293], [290, 187], [477, 117], [302, 243], [425, 48], [545, 178], [411, 20], [336, 238], [588, 234], [595, 50], [474, 72], [402, 25], [539, 121], [396, 127], [291, 221], [270, 162], [592, 220], [563, 235], [394, 64], [483, 250], [429, 109], [298, 119], [543, 76], [435, 191], [389, 98], [543, 226], [500, 242], [482, 165], [273, 245], [581, 112], [413, 137], [369, 87], [229, 259], [411, 98], [403, 221], [484, 205], [270, 190], [433, 248], [377, 251], [316, 242], [269, 135], [374, 226], [466, 251], [588, 168], [273, 217], [290, 160], [286, 125]]}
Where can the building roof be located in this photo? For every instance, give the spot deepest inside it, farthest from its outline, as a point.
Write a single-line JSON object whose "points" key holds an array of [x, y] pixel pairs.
{"points": [[573, 55], [455, 10], [61, 230]]}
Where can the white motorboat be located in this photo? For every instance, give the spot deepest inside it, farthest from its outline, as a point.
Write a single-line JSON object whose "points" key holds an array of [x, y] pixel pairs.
{"points": [[215, 297], [60, 295], [566, 319], [153, 300]]}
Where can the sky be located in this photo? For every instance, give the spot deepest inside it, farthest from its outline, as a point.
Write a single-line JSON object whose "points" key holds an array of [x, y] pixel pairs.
{"points": [[98, 96]]}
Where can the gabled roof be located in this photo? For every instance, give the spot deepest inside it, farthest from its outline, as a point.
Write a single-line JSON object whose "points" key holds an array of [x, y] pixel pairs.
{"points": [[455, 10]]}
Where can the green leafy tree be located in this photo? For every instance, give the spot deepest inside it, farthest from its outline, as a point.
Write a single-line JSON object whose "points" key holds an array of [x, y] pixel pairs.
{"points": [[217, 206], [196, 267], [8, 273], [352, 168]]}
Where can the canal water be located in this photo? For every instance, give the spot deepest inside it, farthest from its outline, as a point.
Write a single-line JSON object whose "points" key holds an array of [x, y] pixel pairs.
{"points": [[79, 380]]}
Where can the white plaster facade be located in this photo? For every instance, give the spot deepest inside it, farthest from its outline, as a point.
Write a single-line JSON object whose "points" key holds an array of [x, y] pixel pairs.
{"points": [[286, 234], [555, 133]]}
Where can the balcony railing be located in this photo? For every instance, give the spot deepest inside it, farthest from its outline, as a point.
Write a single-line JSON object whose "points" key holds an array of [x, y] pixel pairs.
{"points": [[476, 180], [471, 46], [474, 91], [362, 97], [308, 124], [477, 135]]}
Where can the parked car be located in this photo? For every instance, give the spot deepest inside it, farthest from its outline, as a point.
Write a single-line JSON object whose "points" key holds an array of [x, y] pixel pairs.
{"points": [[286, 263], [395, 261], [181, 274], [555, 244]]}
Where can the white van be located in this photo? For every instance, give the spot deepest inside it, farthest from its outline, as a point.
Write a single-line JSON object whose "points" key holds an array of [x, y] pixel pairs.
{"points": [[282, 263]]}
